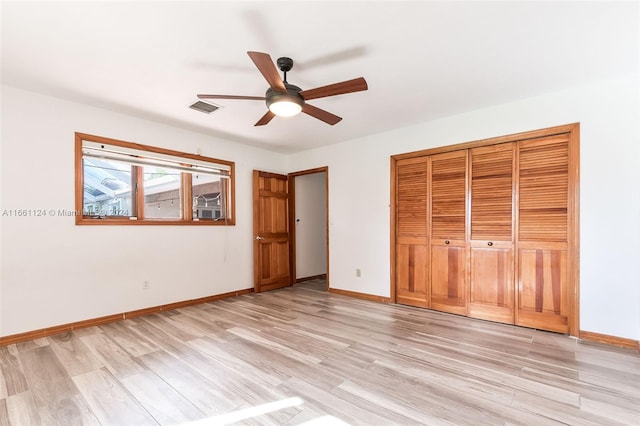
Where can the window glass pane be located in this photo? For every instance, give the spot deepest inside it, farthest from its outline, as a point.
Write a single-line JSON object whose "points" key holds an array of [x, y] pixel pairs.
{"points": [[208, 197], [161, 193], [107, 188]]}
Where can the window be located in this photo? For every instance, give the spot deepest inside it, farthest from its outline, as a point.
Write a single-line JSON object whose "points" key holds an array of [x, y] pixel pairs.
{"points": [[127, 183]]}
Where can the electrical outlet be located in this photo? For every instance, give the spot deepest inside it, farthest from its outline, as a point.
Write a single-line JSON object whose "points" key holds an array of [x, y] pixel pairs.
{"points": [[146, 285], [358, 272]]}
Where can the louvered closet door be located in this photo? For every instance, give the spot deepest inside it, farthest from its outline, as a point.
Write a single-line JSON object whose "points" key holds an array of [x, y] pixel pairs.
{"points": [[542, 234], [412, 259], [491, 286], [448, 232]]}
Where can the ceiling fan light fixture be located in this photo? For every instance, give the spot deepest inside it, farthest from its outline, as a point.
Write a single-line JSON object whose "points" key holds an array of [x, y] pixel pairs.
{"points": [[284, 104], [285, 108]]}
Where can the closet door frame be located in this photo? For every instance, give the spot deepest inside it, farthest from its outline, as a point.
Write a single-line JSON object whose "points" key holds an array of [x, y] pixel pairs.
{"points": [[573, 225]]}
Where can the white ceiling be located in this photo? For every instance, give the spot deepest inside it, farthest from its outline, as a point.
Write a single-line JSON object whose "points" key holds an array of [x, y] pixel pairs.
{"points": [[422, 60]]}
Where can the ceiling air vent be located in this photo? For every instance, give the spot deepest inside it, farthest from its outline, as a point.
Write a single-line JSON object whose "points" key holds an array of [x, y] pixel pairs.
{"points": [[204, 107]]}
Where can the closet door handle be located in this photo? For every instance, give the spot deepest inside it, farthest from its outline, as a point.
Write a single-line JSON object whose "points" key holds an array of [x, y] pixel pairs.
{"points": [[447, 241], [489, 243]]}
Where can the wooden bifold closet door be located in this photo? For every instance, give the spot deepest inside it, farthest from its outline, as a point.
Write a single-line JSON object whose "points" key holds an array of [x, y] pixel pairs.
{"points": [[412, 242], [491, 285], [448, 223], [488, 229], [543, 233]]}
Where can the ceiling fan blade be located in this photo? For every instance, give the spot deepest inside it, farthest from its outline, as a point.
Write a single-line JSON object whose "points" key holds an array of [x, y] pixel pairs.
{"points": [[268, 69], [356, 85], [321, 114], [250, 98], [265, 119]]}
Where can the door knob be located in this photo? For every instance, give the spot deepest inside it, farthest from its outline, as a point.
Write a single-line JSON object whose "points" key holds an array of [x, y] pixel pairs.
{"points": [[446, 241], [259, 238], [489, 243]]}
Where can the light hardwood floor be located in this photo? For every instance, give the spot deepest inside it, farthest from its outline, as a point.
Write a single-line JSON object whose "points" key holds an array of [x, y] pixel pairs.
{"points": [[304, 356]]}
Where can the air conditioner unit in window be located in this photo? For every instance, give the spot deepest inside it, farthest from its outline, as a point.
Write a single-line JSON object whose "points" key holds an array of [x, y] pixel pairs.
{"points": [[209, 212]]}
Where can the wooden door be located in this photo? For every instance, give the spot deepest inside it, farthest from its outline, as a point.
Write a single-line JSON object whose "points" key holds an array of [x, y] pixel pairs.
{"points": [[543, 233], [270, 231], [448, 232], [412, 241], [491, 281]]}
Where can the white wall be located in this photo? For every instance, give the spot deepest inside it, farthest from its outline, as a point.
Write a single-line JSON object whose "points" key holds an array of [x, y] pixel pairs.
{"points": [[608, 113], [310, 223], [54, 272]]}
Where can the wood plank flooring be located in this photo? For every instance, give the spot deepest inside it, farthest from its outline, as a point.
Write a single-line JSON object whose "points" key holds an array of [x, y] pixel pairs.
{"points": [[302, 356]]}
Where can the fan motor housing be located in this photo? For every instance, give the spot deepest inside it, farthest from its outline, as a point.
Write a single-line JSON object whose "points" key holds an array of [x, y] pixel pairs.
{"points": [[292, 95]]}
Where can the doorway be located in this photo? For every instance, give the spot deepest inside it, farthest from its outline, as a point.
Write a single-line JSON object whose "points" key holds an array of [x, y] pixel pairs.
{"points": [[309, 227]]}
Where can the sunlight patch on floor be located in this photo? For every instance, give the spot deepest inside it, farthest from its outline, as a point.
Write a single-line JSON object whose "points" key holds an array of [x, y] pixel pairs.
{"points": [[324, 421], [247, 413]]}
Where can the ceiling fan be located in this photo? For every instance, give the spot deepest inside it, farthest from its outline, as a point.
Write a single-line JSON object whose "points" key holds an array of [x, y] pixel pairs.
{"points": [[285, 99]]}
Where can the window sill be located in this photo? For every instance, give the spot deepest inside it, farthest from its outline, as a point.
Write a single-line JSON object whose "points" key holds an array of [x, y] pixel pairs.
{"points": [[152, 222]]}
